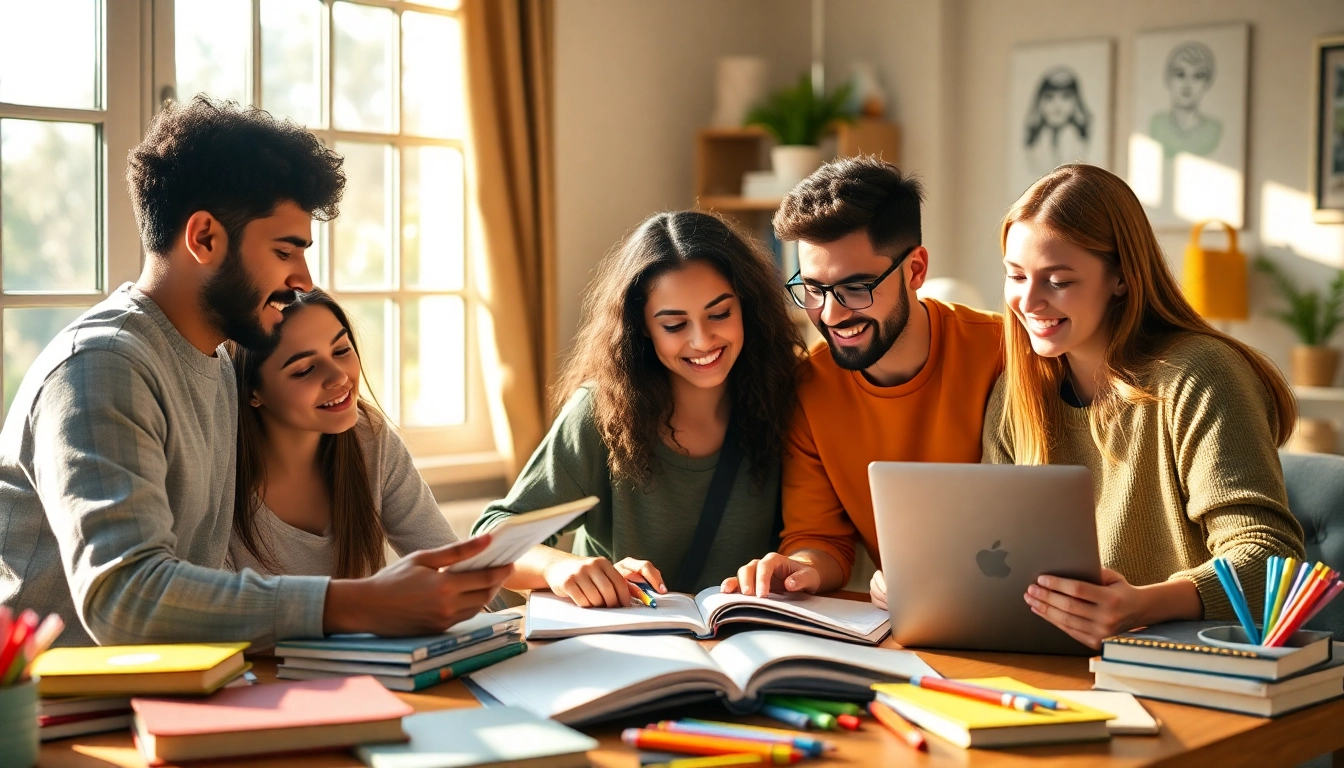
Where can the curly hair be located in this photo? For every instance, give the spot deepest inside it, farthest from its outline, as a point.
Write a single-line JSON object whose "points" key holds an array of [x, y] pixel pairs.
{"points": [[852, 194], [236, 163], [632, 391]]}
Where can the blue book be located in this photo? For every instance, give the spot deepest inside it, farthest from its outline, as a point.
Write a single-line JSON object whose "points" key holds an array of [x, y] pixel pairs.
{"points": [[458, 738], [401, 650]]}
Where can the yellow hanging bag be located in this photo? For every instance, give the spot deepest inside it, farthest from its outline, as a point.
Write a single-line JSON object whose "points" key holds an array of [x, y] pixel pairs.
{"points": [[1215, 281]]}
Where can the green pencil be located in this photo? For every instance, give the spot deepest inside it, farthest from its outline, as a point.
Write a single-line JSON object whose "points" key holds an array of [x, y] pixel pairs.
{"points": [[836, 708], [823, 720]]}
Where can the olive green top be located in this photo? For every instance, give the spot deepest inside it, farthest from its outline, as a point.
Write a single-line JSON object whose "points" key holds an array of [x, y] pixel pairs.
{"points": [[654, 521], [1197, 475]]}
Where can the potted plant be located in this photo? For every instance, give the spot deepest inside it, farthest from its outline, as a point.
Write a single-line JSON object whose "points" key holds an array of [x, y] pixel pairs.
{"points": [[797, 117], [1314, 319]]}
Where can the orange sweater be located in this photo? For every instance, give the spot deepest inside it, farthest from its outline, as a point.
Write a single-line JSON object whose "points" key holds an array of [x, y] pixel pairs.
{"points": [[844, 422]]}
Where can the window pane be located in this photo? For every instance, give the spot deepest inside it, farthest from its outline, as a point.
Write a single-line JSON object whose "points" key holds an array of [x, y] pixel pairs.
{"points": [[48, 206], [434, 370], [291, 59], [364, 62], [432, 98], [213, 42], [316, 254], [432, 230], [449, 4], [373, 321], [49, 53], [364, 229], [27, 332]]}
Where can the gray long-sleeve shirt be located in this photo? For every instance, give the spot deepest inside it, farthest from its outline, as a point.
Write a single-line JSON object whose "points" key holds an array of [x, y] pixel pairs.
{"points": [[116, 491]]}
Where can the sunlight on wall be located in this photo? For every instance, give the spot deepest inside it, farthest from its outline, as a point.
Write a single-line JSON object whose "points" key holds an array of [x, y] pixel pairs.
{"points": [[1285, 221], [1145, 169], [1206, 190]]}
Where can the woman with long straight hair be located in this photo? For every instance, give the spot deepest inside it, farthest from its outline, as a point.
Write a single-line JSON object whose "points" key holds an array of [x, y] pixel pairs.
{"points": [[324, 481], [1108, 366], [686, 355]]}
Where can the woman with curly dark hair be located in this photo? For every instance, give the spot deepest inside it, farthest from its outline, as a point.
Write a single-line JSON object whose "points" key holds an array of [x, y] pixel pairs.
{"points": [[685, 360]]}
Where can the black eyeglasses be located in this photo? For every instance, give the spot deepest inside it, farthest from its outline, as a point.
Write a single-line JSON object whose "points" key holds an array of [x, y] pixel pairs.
{"points": [[856, 295]]}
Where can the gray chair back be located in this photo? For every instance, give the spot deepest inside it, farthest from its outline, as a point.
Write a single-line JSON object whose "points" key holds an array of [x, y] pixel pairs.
{"points": [[1315, 485]]}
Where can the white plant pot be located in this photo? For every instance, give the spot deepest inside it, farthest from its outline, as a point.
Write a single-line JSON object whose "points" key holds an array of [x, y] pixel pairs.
{"points": [[794, 162]]}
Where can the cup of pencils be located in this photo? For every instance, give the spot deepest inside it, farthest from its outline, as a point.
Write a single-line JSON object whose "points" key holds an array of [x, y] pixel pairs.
{"points": [[22, 639], [1294, 593]]}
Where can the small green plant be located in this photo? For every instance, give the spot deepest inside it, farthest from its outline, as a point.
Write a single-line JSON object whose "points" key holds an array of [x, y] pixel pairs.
{"points": [[795, 115], [1312, 318]]}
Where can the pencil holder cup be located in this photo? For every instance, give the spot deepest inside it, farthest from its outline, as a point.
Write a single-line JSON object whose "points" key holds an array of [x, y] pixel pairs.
{"points": [[1234, 637], [19, 738]]}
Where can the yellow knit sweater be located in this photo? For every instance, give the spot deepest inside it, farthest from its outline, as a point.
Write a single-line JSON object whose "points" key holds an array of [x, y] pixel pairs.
{"points": [[1198, 474]]}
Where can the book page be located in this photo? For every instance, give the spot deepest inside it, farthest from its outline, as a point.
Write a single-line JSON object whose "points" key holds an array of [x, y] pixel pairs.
{"points": [[745, 657], [572, 679], [856, 617], [549, 615]]}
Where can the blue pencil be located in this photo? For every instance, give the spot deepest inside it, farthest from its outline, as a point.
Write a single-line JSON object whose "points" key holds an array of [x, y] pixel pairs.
{"points": [[1273, 570], [1227, 577], [784, 715]]}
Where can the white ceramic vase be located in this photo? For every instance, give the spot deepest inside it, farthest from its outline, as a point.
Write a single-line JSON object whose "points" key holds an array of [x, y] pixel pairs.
{"points": [[739, 84], [794, 162]]}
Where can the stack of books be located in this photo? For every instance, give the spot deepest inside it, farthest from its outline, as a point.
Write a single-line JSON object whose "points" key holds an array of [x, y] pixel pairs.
{"points": [[406, 663], [88, 690], [1172, 662]]}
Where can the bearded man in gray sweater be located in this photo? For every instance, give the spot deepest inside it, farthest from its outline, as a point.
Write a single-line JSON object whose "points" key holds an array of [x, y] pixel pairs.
{"points": [[117, 458]]}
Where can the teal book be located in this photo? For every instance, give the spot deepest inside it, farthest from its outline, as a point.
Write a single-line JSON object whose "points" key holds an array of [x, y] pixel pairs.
{"points": [[482, 736], [414, 682], [401, 650]]}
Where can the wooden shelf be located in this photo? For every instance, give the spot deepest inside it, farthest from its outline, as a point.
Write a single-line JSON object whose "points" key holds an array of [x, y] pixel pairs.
{"points": [[734, 203], [1320, 394]]}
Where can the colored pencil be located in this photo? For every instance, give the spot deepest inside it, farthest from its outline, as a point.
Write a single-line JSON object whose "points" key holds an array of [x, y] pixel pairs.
{"points": [[1299, 579], [1227, 576], [826, 745], [1271, 583], [813, 747], [836, 708], [1294, 619], [647, 595], [715, 761], [849, 722], [899, 725], [696, 744], [786, 716], [11, 662], [1281, 592], [1335, 588], [823, 720], [46, 634], [979, 693]]}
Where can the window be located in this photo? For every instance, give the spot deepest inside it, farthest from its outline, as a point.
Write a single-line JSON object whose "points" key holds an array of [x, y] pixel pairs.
{"points": [[69, 113]]}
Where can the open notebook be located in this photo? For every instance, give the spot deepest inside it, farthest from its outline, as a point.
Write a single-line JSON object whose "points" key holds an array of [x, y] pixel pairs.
{"points": [[550, 617], [598, 677]]}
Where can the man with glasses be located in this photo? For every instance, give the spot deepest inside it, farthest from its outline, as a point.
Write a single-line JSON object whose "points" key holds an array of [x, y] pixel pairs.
{"points": [[900, 379]]}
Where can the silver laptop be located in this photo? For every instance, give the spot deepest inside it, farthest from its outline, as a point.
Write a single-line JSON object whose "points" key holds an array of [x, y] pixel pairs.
{"points": [[960, 543]]}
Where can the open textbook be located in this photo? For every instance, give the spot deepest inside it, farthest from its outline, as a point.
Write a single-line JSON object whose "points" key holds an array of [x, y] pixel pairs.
{"points": [[598, 677], [550, 617]]}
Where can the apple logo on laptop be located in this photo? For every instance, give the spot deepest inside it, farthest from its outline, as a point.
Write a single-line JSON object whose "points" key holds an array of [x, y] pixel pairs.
{"points": [[993, 561]]}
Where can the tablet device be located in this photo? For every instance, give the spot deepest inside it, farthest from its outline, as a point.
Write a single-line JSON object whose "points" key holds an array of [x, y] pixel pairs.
{"points": [[960, 543], [516, 534]]}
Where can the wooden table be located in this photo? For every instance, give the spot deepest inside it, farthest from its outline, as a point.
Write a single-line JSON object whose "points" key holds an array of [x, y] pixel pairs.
{"points": [[1190, 736]]}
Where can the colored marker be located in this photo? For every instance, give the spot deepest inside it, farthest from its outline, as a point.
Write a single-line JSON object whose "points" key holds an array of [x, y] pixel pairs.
{"points": [[696, 744], [826, 745], [989, 695], [716, 761], [786, 716], [823, 720], [849, 722], [899, 725], [836, 708], [813, 747]]}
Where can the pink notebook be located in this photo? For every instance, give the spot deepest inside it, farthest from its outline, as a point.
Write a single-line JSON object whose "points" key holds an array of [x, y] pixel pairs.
{"points": [[274, 717]]}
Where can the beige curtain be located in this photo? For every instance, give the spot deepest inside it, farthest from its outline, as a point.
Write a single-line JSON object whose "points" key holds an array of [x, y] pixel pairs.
{"points": [[508, 49]]}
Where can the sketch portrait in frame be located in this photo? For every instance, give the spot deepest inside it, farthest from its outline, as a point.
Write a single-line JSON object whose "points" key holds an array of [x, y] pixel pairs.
{"points": [[1327, 156]]}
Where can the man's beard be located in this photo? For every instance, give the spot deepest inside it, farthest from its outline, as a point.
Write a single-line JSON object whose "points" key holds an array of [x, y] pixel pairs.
{"points": [[233, 304], [885, 334]]}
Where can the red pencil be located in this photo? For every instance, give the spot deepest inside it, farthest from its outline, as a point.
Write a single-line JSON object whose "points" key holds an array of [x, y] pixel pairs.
{"points": [[1002, 698], [18, 635], [1301, 607], [902, 727]]}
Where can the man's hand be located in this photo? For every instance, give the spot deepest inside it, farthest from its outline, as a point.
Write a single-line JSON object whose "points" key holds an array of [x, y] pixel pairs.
{"points": [[773, 573], [877, 590], [593, 582], [413, 596]]}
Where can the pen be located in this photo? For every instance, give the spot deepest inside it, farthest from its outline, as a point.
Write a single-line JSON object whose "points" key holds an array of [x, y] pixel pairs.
{"points": [[988, 695], [647, 595]]}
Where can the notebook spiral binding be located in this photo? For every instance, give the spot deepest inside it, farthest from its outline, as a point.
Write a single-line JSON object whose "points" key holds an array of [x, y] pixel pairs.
{"points": [[1183, 647]]}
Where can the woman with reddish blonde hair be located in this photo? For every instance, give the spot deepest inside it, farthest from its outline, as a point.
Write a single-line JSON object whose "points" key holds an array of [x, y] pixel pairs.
{"points": [[1108, 366]]}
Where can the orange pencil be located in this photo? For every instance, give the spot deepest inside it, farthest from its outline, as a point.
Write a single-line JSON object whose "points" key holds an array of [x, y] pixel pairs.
{"points": [[899, 725], [1293, 618], [696, 744]]}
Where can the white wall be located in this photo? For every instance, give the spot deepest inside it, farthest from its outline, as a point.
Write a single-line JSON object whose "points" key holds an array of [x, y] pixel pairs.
{"points": [[633, 83], [1278, 131]]}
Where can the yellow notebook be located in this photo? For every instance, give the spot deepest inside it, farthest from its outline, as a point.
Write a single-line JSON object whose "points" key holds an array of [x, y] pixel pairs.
{"points": [[138, 669], [973, 723]]}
